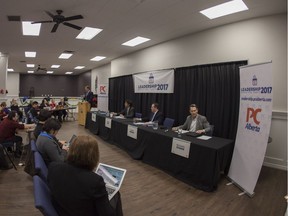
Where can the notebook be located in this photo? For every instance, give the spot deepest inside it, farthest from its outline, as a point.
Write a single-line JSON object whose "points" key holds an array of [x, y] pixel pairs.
{"points": [[112, 176]]}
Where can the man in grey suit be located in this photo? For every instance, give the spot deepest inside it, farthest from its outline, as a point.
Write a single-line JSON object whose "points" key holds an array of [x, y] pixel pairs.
{"points": [[195, 122]]}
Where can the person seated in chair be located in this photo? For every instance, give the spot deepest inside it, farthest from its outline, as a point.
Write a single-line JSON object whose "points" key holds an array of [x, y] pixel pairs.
{"points": [[195, 122], [48, 145], [75, 188], [14, 107], [62, 113], [4, 111], [8, 130], [44, 104], [42, 117], [155, 115], [128, 111], [33, 112]]}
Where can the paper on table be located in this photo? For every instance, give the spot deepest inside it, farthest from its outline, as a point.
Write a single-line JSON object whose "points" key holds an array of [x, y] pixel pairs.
{"points": [[182, 131], [119, 117], [203, 137]]}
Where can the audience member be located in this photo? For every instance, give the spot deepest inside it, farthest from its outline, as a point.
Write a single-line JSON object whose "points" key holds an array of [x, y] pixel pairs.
{"points": [[33, 112], [44, 104], [76, 189], [47, 143], [8, 130], [195, 122], [4, 111], [14, 107], [42, 117], [62, 113], [155, 114]]}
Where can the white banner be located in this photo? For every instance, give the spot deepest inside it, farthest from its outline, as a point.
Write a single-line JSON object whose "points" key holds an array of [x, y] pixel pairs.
{"points": [[181, 147], [103, 90], [132, 131], [154, 82], [253, 125], [93, 117], [108, 122]]}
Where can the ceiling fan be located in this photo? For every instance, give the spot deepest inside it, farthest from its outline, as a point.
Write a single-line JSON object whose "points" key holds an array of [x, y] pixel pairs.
{"points": [[58, 19]]}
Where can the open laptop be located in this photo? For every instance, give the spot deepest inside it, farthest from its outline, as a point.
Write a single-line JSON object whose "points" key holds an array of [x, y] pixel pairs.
{"points": [[113, 178]]}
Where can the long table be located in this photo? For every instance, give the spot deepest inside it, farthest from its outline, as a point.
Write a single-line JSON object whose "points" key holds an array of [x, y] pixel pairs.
{"points": [[207, 158]]}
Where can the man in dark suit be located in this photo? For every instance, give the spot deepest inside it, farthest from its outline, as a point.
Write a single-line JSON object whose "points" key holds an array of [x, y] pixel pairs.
{"points": [[155, 114], [128, 111], [88, 94], [195, 122]]}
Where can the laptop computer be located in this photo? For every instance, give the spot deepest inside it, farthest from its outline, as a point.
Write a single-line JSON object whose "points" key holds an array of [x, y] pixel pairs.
{"points": [[112, 176]]}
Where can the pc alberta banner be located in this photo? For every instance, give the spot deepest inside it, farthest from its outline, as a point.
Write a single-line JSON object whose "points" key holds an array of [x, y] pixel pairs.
{"points": [[254, 122], [154, 82]]}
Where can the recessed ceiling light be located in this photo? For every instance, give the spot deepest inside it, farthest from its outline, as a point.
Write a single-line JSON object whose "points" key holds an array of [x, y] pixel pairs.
{"points": [[30, 71], [31, 29], [136, 41], [30, 65], [88, 33], [69, 72], [65, 56], [10, 69], [30, 54], [55, 66], [49, 72], [79, 67], [224, 9], [97, 58]]}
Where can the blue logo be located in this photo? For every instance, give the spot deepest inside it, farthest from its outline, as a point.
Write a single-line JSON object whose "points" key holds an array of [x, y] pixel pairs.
{"points": [[254, 81]]}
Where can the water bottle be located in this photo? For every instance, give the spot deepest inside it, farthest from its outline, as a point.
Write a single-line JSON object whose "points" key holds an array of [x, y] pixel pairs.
{"points": [[107, 113]]}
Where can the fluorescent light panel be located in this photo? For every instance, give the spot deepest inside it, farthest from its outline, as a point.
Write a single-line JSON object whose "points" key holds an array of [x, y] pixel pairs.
{"points": [[49, 72], [224, 9], [30, 71], [29, 29], [30, 54], [10, 69], [30, 65], [136, 41], [97, 58], [79, 67], [65, 56], [55, 66], [69, 72], [88, 33]]}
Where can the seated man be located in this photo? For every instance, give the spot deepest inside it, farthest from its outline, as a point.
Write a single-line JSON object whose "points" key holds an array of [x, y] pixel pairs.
{"points": [[8, 129], [42, 117], [128, 111], [62, 113], [33, 112], [155, 114], [195, 122], [4, 111], [14, 107]]}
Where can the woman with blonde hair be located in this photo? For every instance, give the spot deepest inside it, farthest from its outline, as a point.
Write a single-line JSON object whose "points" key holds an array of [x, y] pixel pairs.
{"points": [[76, 189]]}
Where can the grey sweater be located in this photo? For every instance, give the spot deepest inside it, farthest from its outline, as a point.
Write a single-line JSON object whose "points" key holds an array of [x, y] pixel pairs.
{"points": [[50, 149]]}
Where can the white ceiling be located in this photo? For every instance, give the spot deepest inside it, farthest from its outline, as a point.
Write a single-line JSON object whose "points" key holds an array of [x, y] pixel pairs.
{"points": [[121, 20]]}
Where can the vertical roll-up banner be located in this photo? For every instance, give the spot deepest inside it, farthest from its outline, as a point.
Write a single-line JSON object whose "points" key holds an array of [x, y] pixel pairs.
{"points": [[254, 122]]}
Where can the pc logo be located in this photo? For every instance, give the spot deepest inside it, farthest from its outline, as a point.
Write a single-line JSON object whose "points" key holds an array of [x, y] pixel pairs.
{"points": [[252, 114]]}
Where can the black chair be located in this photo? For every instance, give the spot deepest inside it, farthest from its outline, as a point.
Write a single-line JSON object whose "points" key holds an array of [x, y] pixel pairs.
{"points": [[138, 115], [40, 166], [33, 146], [9, 144], [42, 197], [168, 122]]}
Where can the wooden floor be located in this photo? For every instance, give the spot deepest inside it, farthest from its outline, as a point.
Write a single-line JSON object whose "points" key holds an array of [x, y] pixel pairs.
{"points": [[149, 191]]}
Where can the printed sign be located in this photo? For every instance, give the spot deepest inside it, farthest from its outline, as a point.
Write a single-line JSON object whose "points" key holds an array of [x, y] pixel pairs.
{"points": [[132, 131], [93, 117], [108, 122], [181, 147], [103, 90]]}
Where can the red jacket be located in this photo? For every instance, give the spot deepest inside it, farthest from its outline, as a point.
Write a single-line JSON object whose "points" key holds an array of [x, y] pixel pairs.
{"points": [[8, 128]]}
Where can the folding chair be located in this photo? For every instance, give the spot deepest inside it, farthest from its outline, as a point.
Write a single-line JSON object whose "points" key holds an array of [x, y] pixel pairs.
{"points": [[40, 166], [6, 145]]}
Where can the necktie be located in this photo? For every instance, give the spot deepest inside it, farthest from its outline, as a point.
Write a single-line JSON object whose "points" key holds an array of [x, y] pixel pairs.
{"points": [[153, 117], [127, 111]]}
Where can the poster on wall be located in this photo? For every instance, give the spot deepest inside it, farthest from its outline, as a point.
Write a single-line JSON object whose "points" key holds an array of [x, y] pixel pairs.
{"points": [[154, 82], [103, 90], [255, 113]]}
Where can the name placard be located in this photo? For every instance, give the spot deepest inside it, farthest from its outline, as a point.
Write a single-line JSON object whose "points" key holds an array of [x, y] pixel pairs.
{"points": [[180, 147], [108, 122], [132, 131], [93, 117]]}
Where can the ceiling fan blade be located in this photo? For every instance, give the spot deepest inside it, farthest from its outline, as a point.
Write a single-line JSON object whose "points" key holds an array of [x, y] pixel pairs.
{"points": [[72, 25], [49, 14], [50, 21], [55, 27], [73, 18]]}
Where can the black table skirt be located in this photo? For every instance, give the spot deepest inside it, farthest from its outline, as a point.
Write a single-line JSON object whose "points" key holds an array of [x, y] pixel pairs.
{"points": [[207, 158]]}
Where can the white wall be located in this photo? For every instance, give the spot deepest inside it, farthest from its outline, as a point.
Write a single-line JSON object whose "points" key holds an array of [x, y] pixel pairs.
{"points": [[103, 73], [12, 84], [256, 40]]}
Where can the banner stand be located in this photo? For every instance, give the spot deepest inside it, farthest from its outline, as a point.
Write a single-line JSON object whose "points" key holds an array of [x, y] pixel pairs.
{"points": [[237, 185]]}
